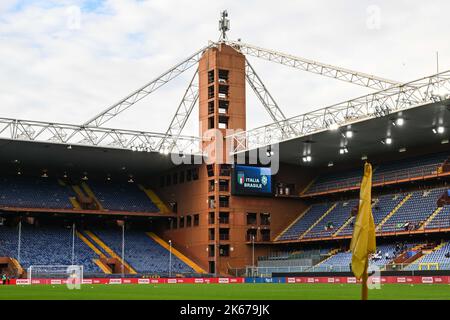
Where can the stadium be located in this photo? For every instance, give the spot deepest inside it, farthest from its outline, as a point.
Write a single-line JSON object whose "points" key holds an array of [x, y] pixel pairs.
{"points": [[235, 212]]}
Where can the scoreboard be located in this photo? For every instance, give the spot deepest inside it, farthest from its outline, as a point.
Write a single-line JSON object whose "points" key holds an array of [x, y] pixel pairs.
{"points": [[255, 181]]}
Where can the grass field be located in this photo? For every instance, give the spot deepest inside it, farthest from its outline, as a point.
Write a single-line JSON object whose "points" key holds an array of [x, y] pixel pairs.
{"points": [[225, 292]]}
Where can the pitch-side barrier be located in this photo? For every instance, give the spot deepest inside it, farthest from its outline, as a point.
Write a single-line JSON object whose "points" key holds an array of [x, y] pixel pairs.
{"points": [[286, 280]]}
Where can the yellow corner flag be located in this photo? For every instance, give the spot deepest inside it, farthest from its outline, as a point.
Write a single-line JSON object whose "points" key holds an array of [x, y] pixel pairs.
{"points": [[363, 239]]}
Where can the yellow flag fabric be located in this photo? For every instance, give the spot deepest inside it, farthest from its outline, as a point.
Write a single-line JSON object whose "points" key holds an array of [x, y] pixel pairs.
{"points": [[363, 239]]}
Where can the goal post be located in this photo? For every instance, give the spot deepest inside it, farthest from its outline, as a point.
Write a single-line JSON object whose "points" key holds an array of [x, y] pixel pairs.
{"points": [[429, 266], [72, 273]]}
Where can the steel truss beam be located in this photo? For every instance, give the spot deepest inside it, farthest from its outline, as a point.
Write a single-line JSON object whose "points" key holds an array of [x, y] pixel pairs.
{"points": [[68, 134], [262, 93], [323, 69], [401, 97], [143, 92], [181, 116]]}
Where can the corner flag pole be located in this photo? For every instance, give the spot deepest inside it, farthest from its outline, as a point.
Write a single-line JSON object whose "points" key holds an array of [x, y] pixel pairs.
{"points": [[363, 239], [365, 289]]}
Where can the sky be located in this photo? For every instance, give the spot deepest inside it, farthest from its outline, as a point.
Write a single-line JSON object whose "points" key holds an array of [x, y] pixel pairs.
{"points": [[67, 60]]}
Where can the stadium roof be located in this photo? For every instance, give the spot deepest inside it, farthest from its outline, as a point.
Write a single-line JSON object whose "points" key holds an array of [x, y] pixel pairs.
{"points": [[93, 160], [323, 147], [369, 137]]}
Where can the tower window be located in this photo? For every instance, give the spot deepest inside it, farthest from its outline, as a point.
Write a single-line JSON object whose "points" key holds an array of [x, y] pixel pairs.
{"points": [[211, 76], [211, 123], [210, 92], [210, 107], [223, 76]]}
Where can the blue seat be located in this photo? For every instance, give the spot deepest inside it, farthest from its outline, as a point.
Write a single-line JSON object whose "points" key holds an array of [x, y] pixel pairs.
{"points": [[34, 192], [300, 226], [122, 197], [142, 252], [46, 245], [416, 209], [389, 171]]}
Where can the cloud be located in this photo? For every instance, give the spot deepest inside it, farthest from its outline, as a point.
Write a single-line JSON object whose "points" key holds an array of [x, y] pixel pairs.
{"points": [[58, 63]]}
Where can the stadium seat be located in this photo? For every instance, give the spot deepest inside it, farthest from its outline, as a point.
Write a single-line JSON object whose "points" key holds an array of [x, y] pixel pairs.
{"points": [[383, 206], [52, 245], [389, 171], [300, 226], [141, 252], [333, 221], [341, 260], [338, 262], [122, 197], [434, 260], [441, 220], [414, 211], [30, 192], [46, 245]]}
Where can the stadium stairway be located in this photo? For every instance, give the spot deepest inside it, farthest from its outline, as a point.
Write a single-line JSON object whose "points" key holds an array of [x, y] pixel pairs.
{"points": [[81, 196], [330, 255], [90, 244], [322, 262], [318, 220], [155, 199], [109, 251], [176, 253], [103, 266], [73, 200], [406, 198], [427, 249], [308, 186], [344, 226], [75, 203], [17, 266], [91, 194], [78, 191], [99, 262], [431, 217], [351, 219], [86, 235], [292, 223]]}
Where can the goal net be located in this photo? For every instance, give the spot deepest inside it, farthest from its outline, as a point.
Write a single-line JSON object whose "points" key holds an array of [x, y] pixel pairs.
{"points": [[72, 273]]}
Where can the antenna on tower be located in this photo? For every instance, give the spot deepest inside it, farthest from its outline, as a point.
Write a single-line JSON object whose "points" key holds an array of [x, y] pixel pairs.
{"points": [[224, 25]]}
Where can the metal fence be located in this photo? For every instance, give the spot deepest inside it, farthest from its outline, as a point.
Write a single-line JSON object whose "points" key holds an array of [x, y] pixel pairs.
{"points": [[268, 271]]}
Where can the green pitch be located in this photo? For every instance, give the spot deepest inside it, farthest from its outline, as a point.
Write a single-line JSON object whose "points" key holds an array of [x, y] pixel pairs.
{"points": [[225, 292]]}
